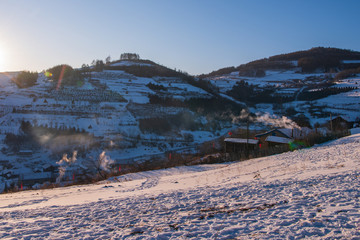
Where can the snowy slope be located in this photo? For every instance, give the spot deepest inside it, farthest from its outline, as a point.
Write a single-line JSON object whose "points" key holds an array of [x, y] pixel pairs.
{"points": [[344, 104], [107, 106], [272, 78], [347, 103], [310, 193], [291, 83]]}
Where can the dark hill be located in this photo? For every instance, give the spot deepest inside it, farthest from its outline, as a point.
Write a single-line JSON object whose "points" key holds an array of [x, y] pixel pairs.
{"points": [[340, 54], [325, 59], [144, 68]]}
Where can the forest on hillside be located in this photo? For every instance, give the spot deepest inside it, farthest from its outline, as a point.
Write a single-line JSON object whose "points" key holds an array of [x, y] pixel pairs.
{"points": [[327, 59]]}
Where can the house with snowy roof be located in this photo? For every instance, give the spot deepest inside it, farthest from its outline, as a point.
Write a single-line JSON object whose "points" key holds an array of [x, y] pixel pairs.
{"points": [[273, 138], [296, 133], [340, 124]]}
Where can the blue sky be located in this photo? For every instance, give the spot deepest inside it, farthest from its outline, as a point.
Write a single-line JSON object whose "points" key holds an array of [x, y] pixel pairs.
{"points": [[196, 36]]}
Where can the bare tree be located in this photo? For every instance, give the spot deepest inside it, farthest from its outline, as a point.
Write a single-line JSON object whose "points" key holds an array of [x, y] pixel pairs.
{"points": [[108, 60]]}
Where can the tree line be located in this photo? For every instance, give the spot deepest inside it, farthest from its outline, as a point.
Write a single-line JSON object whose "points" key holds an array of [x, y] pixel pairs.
{"points": [[65, 75], [26, 79], [347, 73], [245, 92], [161, 125], [129, 56], [214, 104], [322, 93], [308, 60], [156, 87]]}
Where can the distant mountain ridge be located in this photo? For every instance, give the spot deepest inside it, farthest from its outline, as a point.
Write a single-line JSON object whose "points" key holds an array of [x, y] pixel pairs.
{"points": [[325, 59]]}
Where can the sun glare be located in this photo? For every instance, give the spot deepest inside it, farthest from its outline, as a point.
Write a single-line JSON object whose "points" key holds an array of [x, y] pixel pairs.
{"points": [[2, 60]]}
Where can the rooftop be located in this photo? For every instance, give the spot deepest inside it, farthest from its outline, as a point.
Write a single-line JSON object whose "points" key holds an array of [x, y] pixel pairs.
{"points": [[278, 139], [241, 140]]}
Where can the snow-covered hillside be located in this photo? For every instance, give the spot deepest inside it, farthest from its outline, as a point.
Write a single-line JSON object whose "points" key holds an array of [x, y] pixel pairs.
{"points": [[309, 193], [107, 107], [291, 83], [271, 78]]}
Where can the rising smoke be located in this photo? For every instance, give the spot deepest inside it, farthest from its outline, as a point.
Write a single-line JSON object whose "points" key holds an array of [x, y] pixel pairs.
{"points": [[64, 163], [64, 143], [267, 119], [105, 162]]}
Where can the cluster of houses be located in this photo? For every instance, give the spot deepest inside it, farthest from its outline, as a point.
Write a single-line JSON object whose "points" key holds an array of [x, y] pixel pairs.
{"points": [[273, 138], [282, 138]]}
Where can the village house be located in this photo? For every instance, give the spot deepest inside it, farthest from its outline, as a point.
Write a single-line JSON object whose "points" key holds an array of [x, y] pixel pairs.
{"points": [[340, 124], [273, 138]]}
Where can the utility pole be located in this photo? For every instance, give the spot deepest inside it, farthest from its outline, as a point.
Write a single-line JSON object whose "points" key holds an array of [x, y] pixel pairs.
{"points": [[331, 124], [247, 137]]}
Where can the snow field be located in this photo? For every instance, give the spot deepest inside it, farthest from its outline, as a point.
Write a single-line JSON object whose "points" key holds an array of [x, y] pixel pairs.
{"points": [[272, 78], [310, 193]]}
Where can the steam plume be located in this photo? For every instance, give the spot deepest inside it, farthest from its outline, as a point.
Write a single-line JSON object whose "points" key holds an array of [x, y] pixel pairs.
{"points": [[267, 119], [276, 121], [105, 162], [64, 164]]}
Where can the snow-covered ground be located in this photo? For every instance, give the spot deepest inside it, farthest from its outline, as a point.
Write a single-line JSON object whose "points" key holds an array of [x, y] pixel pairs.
{"points": [[107, 106], [309, 193], [272, 78], [346, 104]]}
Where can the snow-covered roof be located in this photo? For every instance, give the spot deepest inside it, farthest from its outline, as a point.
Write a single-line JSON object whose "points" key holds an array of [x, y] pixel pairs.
{"points": [[241, 140], [350, 61], [272, 131], [346, 118], [296, 132], [278, 139]]}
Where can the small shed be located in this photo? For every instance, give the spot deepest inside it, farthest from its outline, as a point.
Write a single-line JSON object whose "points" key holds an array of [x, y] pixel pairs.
{"points": [[236, 145], [340, 124]]}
